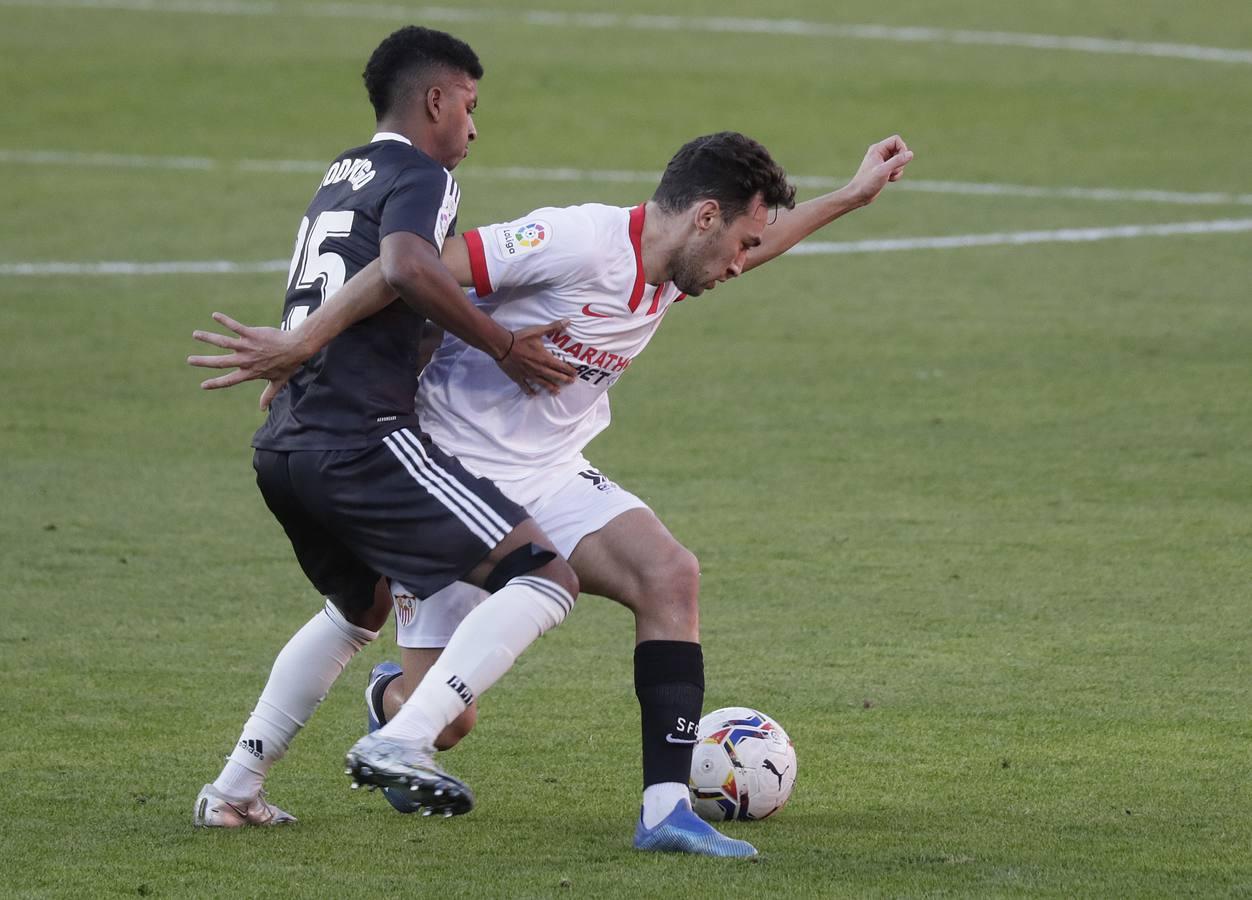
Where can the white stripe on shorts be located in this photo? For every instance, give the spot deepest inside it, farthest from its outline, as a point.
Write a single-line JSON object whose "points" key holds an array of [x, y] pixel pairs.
{"points": [[471, 522], [489, 515]]}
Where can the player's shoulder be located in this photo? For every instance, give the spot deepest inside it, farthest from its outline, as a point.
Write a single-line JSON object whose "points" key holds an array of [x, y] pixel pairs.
{"points": [[586, 217], [375, 169], [575, 237], [602, 213], [578, 229], [405, 164], [399, 164]]}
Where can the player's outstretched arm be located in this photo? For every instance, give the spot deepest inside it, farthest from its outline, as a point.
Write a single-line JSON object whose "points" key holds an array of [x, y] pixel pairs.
{"points": [[413, 268], [429, 284], [274, 355], [884, 162]]}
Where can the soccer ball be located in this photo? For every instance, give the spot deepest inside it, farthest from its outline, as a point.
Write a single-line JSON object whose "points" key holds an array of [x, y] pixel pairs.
{"points": [[743, 767]]}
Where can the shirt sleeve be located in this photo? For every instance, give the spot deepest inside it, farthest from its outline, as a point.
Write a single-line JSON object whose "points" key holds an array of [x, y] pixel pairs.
{"points": [[423, 201], [548, 246]]}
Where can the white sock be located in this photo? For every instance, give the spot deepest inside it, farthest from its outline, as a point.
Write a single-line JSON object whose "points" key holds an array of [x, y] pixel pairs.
{"points": [[659, 801], [482, 648], [303, 672]]}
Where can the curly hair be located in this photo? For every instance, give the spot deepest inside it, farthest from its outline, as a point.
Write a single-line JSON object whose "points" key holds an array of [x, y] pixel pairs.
{"points": [[407, 58], [727, 167]]}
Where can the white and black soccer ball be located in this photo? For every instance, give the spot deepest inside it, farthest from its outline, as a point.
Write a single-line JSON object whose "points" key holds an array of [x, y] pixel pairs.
{"points": [[743, 767]]}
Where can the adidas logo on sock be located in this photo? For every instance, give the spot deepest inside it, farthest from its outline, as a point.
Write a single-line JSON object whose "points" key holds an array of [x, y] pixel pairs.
{"points": [[255, 747]]}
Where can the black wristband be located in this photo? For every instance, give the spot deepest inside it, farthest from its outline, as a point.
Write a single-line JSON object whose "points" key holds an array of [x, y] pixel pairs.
{"points": [[505, 355]]}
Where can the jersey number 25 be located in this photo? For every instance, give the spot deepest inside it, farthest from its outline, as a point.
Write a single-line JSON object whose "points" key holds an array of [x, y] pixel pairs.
{"points": [[310, 266]]}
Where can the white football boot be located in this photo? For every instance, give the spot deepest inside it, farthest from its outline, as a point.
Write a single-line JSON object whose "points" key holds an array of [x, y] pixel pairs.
{"points": [[215, 811], [377, 761]]}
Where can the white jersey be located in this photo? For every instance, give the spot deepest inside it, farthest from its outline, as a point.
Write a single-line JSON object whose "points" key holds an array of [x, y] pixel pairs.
{"points": [[580, 263]]}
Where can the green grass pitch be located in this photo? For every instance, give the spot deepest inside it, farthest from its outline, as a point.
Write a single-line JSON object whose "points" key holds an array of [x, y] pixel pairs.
{"points": [[975, 523]]}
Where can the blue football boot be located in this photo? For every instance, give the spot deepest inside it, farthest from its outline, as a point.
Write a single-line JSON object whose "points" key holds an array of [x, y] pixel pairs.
{"points": [[682, 831], [401, 801], [385, 670]]}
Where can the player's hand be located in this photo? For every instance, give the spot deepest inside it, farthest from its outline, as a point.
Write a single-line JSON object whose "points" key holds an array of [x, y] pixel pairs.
{"points": [[531, 365], [884, 162], [256, 353]]}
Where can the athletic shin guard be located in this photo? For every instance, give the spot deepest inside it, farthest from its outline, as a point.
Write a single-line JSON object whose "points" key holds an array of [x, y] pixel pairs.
{"points": [[302, 674], [669, 682]]}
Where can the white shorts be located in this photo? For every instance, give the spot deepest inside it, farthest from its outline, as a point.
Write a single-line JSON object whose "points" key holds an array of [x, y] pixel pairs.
{"points": [[568, 505]]}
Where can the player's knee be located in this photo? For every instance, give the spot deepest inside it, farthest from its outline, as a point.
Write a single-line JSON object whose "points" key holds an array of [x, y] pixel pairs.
{"points": [[560, 572], [671, 585], [460, 727], [531, 559], [547, 581], [365, 608], [676, 574]]}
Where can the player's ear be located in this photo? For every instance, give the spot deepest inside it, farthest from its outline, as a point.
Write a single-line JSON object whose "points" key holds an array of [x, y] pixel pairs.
{"points": [[434, 102], [707, 213]]}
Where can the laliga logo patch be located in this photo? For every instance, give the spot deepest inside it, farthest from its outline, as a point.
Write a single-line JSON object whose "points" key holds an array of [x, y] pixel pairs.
{"points": [[531, 236], [515, 241]]}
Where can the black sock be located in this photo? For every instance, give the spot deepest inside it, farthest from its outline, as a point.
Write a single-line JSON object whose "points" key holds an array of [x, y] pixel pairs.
{"points": [[669, 682]]}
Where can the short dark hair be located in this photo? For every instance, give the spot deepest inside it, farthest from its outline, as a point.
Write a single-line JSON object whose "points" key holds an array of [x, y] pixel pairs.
{"points": [[727, 167], [405, 60]]}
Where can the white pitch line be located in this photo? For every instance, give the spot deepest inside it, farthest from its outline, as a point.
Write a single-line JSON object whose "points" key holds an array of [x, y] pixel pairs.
{"points": [[1017, 238], [808, 248], [104, 160], [1145, 195], [205, 267], [687, 24], [621, 176]]}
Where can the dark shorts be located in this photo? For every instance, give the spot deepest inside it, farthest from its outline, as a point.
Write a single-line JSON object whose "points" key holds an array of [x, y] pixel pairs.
{"points": [[401, 508]]}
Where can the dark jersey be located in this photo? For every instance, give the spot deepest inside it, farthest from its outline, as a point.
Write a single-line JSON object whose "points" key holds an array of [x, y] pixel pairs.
{"points": [[362, 384]]}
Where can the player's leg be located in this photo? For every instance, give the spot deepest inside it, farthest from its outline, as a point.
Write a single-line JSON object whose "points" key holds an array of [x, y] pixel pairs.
{"points": [[423, 629], [532, 589], [305, 668], [431, 524], [414, 665], [634, 560], [621, 550]]}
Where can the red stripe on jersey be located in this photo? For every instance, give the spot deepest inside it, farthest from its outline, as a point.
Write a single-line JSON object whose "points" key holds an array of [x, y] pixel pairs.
{"points": [[656, 300], [478, 262], [636, 241], [679, 298]]}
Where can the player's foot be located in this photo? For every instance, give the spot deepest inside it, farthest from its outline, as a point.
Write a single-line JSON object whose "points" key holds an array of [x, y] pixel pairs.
{"points": [[682, 831], [215, 811], [381, 762], [380, 676], [402, 800]]}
